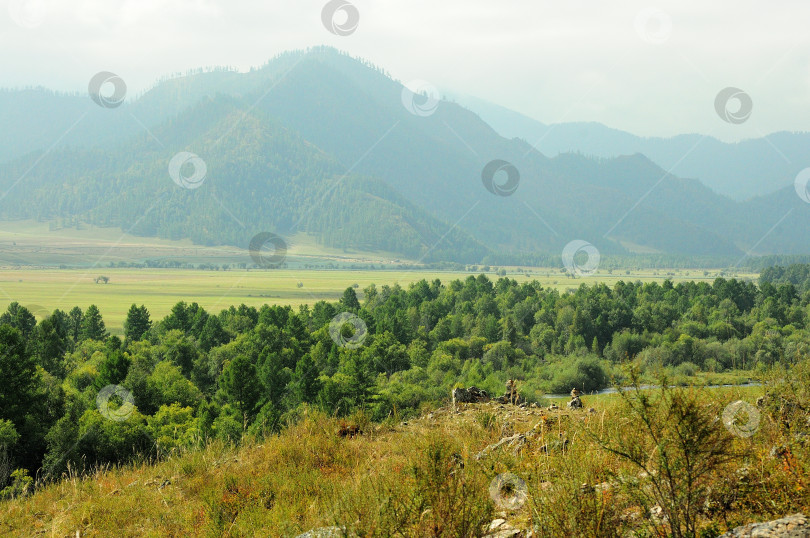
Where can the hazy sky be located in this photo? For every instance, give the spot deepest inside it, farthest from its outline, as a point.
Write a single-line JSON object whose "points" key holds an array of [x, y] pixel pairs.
{"points": [[649, 68]]}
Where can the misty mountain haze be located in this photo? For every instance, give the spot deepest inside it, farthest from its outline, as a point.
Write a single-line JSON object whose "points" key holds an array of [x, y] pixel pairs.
{"points": [[321, 142]]}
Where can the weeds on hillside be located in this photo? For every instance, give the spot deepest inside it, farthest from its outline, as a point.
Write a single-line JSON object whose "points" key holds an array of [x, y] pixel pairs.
{"points": [[438, 494], [677, 444]]}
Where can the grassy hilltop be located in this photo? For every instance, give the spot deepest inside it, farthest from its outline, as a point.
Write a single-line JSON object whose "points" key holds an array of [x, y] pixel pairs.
{"points": [[422, 477]]}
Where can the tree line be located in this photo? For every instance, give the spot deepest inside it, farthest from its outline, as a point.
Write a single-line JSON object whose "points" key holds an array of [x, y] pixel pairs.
{"points": [[75, 396]]}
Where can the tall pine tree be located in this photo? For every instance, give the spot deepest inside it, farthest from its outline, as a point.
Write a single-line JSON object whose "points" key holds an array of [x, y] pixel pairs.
{"points": [[93, 325]]}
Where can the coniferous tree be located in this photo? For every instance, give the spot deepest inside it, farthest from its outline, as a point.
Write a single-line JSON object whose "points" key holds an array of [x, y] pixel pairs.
{"points": [[92, 327], [75, 318], [18, 389], [19, 317], [137, 323], [240, 385], [349, 300], [307, 381]]}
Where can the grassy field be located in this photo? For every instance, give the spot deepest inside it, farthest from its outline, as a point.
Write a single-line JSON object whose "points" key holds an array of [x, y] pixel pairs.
{"points": [[160, 289], [31, 254]]}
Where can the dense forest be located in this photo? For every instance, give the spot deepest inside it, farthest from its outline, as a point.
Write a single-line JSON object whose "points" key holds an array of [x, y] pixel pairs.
{"points": [[74, 397]]}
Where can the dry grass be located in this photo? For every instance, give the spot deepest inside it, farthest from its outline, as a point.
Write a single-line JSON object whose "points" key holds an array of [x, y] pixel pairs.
{"points": [[415, 479]]}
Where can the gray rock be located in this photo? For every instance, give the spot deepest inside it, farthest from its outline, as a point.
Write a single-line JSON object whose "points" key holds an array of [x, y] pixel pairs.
{"points": [[470, 395], [795, 526], [324, 532]]}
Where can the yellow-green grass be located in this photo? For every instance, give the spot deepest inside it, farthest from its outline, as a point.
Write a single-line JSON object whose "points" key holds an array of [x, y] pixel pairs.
{"points": [[23, 243], [309, 477], [160, 289]]}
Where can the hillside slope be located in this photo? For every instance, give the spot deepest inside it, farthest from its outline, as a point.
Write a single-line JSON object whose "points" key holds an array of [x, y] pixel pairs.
{"points": [[321, 141]]}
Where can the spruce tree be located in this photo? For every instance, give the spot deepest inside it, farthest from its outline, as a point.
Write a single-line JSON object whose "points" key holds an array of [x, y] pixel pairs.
{"points": [[93, 325]]}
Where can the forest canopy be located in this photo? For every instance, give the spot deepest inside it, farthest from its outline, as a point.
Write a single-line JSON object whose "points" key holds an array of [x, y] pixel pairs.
{"points": [[75, 396]]}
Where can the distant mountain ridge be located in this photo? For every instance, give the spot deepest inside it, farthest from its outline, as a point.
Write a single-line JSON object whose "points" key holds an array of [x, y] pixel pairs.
{"points": [[318, 141], [742, 170]]}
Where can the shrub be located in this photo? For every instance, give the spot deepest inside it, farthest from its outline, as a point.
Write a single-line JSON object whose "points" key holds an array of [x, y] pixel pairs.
{"points": [[585, 373], [677, 443]]}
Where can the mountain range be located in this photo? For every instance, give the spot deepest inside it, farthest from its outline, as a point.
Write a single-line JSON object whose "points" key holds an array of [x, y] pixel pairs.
{"points": [[317, 141]]}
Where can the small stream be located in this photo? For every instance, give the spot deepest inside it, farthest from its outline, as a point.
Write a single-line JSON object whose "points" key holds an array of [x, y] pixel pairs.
{"points": [[611, 390]]}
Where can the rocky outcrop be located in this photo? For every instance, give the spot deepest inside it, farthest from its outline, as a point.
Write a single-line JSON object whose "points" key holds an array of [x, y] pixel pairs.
{"points": [[795, 526], [575, 402], [511, 396], [470, 395]]}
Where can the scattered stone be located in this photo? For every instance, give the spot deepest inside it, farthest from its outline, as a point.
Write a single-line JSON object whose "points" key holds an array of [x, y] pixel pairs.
{"points": [[779, 451], [657, 514], [511, 395], [794, 526], [575, 402], [470, 395], [505, 531], [515, 442], [495, 524], [591, 410], [324, 532], [553, 407]]}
